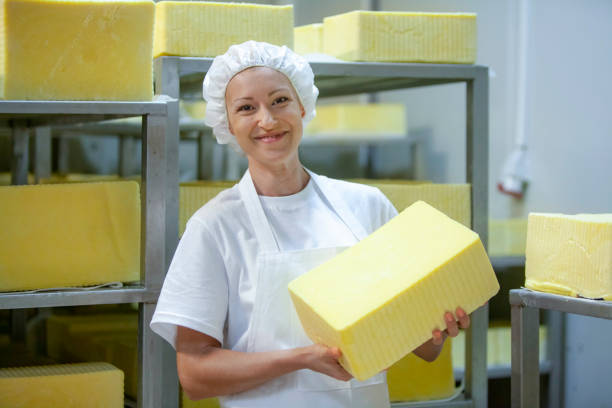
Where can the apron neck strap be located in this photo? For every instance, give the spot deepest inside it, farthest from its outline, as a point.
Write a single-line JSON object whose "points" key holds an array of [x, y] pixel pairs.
{"points": [[262, 227]]}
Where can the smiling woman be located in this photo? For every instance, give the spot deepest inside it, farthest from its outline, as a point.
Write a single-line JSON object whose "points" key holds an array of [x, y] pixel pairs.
{"points": [[225, 305]]}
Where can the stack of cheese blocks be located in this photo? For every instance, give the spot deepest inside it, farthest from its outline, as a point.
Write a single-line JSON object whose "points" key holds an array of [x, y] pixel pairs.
{"points": [[570, 254], [76, 50], [380, 299], [392, 37], [359, 120], [66, 386], [207, 29], [55, 236]]}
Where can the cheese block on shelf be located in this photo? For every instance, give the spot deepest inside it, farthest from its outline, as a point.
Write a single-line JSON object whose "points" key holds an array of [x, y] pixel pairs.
{"points": [[507, 237], [353, 119], [380, 299], [203, 403], [207, 29], [452, 199], [570, 254], [401, 37], [194, 195], [67, 386], [76, 50], [414, 379], [308, 39], [69, 235]]}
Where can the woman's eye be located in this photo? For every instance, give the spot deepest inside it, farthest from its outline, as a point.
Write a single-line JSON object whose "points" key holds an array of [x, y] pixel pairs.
{"points": [[245, 108], [281, 99]]}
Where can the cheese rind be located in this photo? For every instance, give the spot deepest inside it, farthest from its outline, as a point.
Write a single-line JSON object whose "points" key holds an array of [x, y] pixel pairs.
{"points": [[380, 299], [67, 386], [414, 379], [207, 29], [69, 235], [76, 50], [570, 254], [308, 39], [401, 37]]}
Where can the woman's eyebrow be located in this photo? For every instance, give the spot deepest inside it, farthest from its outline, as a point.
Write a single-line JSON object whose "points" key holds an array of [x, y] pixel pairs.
{"points": [[278, 90]]}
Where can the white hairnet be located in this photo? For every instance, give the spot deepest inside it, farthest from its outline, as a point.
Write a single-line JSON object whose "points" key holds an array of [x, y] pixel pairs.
{"points": [[250, 54]]}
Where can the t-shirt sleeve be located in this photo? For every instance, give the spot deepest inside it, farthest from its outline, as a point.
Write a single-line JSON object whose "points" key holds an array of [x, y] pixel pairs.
{"points": [[195, 290]]}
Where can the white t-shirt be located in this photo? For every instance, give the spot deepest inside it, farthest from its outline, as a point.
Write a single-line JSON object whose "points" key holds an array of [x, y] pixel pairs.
{"points": [[209, 286]]}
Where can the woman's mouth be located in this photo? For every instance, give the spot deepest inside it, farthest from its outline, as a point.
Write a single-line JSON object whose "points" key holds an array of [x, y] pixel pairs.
{"points": [[271, 137]]}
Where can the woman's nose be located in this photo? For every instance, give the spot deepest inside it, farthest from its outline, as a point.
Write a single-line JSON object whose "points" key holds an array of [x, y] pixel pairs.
{"points": [[266, 119]]}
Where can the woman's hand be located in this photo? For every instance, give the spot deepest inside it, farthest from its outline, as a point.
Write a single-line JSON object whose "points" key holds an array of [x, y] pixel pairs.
{"points": [[430, 350], [324, 360]]}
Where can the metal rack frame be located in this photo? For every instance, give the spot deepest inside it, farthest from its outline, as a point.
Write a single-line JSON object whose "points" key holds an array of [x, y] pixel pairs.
{"points": [[20, 116], [525, 308], [182, 77]]}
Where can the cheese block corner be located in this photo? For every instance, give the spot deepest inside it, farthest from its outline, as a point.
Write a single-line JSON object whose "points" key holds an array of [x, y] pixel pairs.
{"points": [[570, 254], [76, 50], [308, 39], [380, 299]]}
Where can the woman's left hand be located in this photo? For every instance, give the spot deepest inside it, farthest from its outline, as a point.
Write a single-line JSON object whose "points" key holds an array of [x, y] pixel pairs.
{"points": [[454, 322]]}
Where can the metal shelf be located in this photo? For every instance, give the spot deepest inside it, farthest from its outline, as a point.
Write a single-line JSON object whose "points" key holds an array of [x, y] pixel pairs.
{"points": [[503, 371], [180, 77], [525, 309], [458, 402], [129, 294], [22, 115]]}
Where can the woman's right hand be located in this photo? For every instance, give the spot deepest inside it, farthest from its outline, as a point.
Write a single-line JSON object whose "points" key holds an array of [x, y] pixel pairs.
{"points": [[324, 360]]}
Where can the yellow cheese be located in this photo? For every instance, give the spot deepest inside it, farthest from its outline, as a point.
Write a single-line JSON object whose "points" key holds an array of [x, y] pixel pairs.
{"points": [[194, 195], [207, 29], [78, 178], [69, 235], [414, 379], [359, 120], [97, 385], [401, 37], [205, 403], [62, 330], [308, 39], [507, 237], [570, 254], [193, 109], [452, 199], [380, 299], [5, 179], [76, 50]]}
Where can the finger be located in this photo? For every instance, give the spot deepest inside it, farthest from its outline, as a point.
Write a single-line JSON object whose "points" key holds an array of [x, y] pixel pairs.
{"points": [[436, 337], [342, 374], [335, 353], [464, 318], [451, 324]]}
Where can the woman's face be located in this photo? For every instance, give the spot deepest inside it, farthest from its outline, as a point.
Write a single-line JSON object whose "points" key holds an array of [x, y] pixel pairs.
{"points": [[264, 114]]}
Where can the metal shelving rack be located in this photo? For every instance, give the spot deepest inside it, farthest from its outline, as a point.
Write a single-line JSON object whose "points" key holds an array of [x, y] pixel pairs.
{"points": [[20, 116], [181, 77], [525, 308]]}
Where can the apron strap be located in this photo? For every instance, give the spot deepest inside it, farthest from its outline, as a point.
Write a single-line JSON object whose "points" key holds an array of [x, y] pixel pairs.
{"points": [[263, 230]]}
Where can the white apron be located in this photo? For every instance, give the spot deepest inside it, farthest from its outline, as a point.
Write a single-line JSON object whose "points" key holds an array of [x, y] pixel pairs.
{"points": [[274, 324]]}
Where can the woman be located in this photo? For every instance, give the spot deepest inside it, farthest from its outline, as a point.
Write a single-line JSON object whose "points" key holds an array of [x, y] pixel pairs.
{"points": [[224, 305]]}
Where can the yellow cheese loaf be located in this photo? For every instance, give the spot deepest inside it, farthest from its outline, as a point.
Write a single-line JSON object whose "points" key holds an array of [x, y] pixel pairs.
{"points": [[308, 39], [96, 385], [69, 235], [204, 403], [507, 237], [194, 195], [76, 50], [207, 29], [452, 199], [401, 37], [570, 254], [380, 299], [414, 379], [352, 119]]}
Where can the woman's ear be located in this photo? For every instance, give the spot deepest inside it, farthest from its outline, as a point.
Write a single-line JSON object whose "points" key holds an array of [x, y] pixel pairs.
{"points": [[302, 110]]}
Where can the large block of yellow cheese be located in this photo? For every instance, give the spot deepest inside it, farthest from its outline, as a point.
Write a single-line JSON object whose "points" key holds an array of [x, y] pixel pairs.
{"points": [[401, 37], [352, 119], [414, 379], [69, 235], [95, 385], [308, 39], [194, 195], [380, 299], [570, 254], [207, 29], [76, 50]]}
